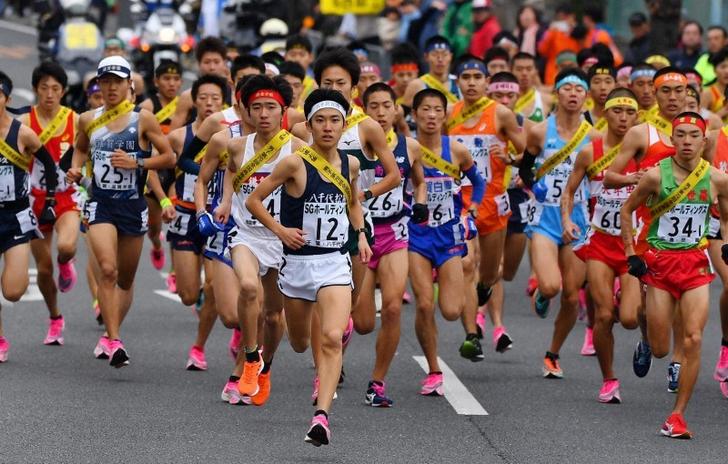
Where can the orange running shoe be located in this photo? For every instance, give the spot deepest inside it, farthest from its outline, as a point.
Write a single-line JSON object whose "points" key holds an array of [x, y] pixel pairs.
{"points": [[552, 368], [248, 384], [260, 398]]}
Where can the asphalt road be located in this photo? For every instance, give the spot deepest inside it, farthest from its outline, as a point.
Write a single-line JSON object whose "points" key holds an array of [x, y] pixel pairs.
{"points": [[59, 404]]}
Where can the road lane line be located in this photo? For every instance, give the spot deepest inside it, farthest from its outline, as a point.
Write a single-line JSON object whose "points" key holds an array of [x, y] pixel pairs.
{"points": [[22, 28], [167, 294], [460, 398]]}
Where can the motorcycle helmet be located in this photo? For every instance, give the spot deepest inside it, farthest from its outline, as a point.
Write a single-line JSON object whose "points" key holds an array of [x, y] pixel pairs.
{"points": [[273, 27]]}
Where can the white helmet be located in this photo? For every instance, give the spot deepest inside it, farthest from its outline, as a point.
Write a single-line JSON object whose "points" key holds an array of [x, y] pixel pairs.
{"points": [[274, 27]]}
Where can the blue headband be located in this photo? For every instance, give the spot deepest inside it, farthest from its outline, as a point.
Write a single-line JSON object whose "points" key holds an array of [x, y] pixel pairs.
{"points": [[5, 89], [642, 73], [469, 65], [438, 46], [572, 79]]}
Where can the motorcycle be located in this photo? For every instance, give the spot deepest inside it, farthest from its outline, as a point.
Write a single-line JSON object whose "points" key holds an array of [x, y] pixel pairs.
{"points": [[241, 20]]}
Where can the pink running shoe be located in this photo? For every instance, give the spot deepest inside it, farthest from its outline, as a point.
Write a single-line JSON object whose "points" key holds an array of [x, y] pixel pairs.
{"points": [[67, 276], [157, 256], [723, 385], [406, 297], [172, 282], [721, 368], [4, 348], [480, 324], [346, 338], [587, 349], [196, 359], [118, 354], [231, 395], [531, 286], [55, 332], [502, 342], [610, 392], [234, 343], [432, 385], [582, 304], [318, 434], [617, 293], [103, 348]]}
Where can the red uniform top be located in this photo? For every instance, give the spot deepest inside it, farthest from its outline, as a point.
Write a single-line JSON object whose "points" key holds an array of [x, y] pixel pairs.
{"points": [[57, 145]]}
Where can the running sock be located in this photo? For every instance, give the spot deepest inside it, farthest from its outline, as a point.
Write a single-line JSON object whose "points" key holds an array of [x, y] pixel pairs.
{"points": [[724, 342], [60, 316], [552, 356], [484, 293], [266, 367], [321, 412], [378, 383], [233, 378], [251, 354], [471, 336], [435, 372]]}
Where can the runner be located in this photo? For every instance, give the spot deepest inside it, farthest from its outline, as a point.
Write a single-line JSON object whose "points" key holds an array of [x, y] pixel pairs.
{"points": [[405, 68], [675, 265], [55, 126], [319, 203], [714, 96], [485, 127], [603, 251], [532, 102], [246, 65], [552, 145], [647, 144], [256, 252], [163, 103], [692, 103], [388, 264], [642, 84], [602, 80], [496, 60], [438, 55], [117, 140], [18, 145], [295, 75], [300, 50], [440, 244], [185, 239]]}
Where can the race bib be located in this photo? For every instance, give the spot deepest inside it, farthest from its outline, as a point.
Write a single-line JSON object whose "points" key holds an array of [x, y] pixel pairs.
{"points": [[556, 181], [713, 227], [504, 206], [107, 177], [325, 225], [479, 148], [685, 223], [188, 188], [535, 210], [272, 203], [216, 243], [606, 215], [400, 229], [387, 205], [181, 223], [440, 201], [38, 178], [523, 209], [26, 220], [7, 183]]}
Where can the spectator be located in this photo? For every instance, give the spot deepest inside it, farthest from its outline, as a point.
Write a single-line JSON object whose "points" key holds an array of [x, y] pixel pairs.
{"points": [[717, 40], [485, 25], [457, 25], [425, 27], [507, 41], [639, 47], [559, 39], [664, 21], [408, 13], [691, 44], [592, 18], [565, 60], [388, 26], [529, 29]]}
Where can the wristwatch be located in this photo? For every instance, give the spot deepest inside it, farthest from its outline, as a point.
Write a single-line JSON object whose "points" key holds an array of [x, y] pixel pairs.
{"points": [[368, 195], [140, 162], [363, 230]]}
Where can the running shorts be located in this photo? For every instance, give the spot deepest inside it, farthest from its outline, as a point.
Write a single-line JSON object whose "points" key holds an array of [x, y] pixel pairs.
{"points": [[493, 211], [182, 232], [546, 221], [438, 244], [677, 271], [17, 226], [130, 217], [217, 245], [65, 202], [268, 251], [302, 276], [518, 199], [388, 238], [609, 249]]}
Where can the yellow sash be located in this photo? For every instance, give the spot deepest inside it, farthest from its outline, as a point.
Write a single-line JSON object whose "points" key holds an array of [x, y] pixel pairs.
{"points": [[525, 100], [307, 87], [559, 157], [604, 162], [589, 104], [167, 111], [432, 82], [660, 123], [601, 124], [677, 195], [55, 124], [354, 119], [477, 108], [431, 159], [12, 155], [260, 158], [326, 169], [109, 115]]}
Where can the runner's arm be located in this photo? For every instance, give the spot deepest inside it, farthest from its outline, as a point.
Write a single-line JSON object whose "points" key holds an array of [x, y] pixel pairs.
{"points": [[356, 213], [721, 184], [235, 148], [583, 160], [534, 144], [80, 150], [155, 186], [36, 149], [206, 170], [184, 106], [511, 129], [632, 145], [186, 161], [417, 173], [467, 166], [378, 143], [649, 184], [165, 156], [409, 94]]}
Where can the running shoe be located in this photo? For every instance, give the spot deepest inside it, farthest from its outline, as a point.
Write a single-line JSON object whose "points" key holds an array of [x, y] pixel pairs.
{"points": [[531, 286], [97, 312], [231, 395], [540, 305], [234, 343], [587, 348], [610, 392], [171, 282], [196, 359], [406, 298], [484, 293], [67, 276], [721, 367], [582, 305], [157, 257], [642, 359], [103, 348], [471, 349], [119, 356], [248, 384], [376, 396], [200, 301], [55, 332], [673, 377], [346, 338], [724, 389], [502, 342], [676, 427], [480, 324], [318, 434], [260, 398], [432, 385], [552, 368], [342, 375], [617, 293], [4, 348]]}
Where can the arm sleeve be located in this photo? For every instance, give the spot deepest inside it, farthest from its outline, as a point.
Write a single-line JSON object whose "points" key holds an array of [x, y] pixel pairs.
{"points": [[478, 184], [525, 171], [186, 161], [49, 167]]}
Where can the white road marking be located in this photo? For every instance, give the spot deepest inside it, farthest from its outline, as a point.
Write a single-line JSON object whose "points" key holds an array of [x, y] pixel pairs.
{"points": [[460, 398], [31, 294], [22, 28], [168, 294]]}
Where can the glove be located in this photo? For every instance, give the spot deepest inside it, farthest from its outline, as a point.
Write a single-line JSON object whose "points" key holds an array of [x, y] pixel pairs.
{"points": [[206, 225], [470, 229], [48, 213], [724, 252], [540, 190], [420, 213], [636, 266]]}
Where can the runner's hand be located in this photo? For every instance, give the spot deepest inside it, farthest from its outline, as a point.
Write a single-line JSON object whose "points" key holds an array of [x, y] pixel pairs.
{"points": [[169, 214], [636, 176], [636, 266], [291, 237], [48, 213], [73, 175], [207, 225], [222, 213], [120, 159], [724, 252], [420, 213], [571, 232], [497, 150], [365, 252]]}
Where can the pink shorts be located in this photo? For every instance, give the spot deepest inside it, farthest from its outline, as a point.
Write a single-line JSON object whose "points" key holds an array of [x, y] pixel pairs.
{"points": [[388, 238]]}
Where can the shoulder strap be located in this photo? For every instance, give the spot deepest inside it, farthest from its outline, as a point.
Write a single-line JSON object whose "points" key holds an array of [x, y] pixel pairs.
{"points": [[354, 119], [478, 107], [432, 82], [525, 100], [432, 160], [15, 157], [679, 194], [603, 161], [561, 155], [109, 115], [326, 169], [168, 110]]}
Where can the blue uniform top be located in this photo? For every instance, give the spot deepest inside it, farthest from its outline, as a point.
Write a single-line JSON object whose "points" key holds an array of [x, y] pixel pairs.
{"points": [[392, 205], [444, 199], [14, 182]]}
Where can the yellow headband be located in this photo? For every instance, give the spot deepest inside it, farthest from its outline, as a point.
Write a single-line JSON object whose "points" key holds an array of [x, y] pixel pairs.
{"points": [[621, 101]]}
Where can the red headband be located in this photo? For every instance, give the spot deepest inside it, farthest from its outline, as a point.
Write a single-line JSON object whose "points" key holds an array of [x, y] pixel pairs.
{"points": [[266, 93], [405, 67], [700, 122]]}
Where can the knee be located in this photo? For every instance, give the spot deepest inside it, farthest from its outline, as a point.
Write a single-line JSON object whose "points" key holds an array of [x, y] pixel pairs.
{"points": [[660, 348], [331, 339], [451, 313], [509, 275], [391, 313], [629, 322], [571, 299], [299, 345], [693, 341], [468, 266], [603, 319], [66, 249], [272, 318], [248, 289], [14, 294], [188, 296], [108, 272], [230, 321], [549, 289], [425, 308], [365, 326]]}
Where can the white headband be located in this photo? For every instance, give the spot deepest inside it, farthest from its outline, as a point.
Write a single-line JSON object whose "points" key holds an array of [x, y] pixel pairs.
{"points": [[326, 104]]}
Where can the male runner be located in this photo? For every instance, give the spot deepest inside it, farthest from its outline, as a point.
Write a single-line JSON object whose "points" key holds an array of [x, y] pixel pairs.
{"points": [[300, 50], [641, 81], [117, 140], [18, 224], [295, 75], [714, 95], [319, 203], [602, 80], [438, 55], [532, 102], [603, 251], [675, 265]]}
